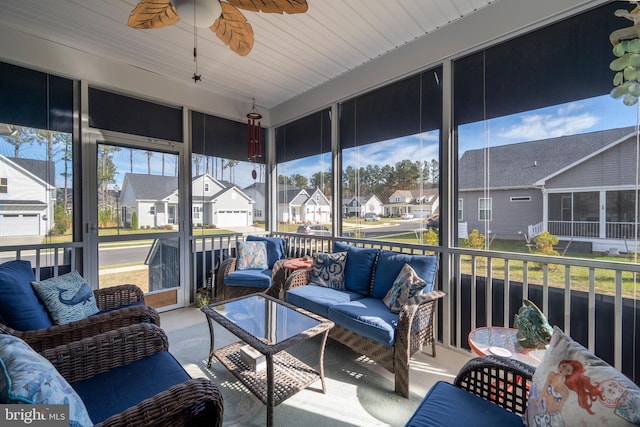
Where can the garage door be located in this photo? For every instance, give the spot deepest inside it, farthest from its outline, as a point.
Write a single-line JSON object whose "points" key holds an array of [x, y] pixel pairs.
{"points": [[19, 225], [231, 219]]}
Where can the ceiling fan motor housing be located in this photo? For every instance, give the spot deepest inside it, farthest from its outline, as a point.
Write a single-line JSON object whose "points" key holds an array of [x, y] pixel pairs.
{"points": [[201, 13]]}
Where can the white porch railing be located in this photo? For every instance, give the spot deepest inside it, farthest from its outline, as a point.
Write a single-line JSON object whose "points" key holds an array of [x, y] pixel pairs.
{"points": [[534, 230]]}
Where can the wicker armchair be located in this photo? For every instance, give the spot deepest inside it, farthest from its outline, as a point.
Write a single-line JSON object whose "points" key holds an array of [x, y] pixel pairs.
{"points": [[488, 391], [500, 380], [276, 250], [106, 299], [415, 329], [192, 402]]}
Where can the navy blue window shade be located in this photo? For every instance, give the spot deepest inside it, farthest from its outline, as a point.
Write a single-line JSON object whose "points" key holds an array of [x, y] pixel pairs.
{"points": [[403, 108], [34, 99], [119, 113], [559, 63], [307, 136], [218, 137]]}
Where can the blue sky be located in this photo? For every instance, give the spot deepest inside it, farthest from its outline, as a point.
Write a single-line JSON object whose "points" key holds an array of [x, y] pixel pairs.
{"points": [[582, 116]]}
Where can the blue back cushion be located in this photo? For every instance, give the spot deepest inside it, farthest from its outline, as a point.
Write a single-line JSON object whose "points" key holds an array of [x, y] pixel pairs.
{"points": [[20, 309], [390, 263], [275, 247], [359, 267]]}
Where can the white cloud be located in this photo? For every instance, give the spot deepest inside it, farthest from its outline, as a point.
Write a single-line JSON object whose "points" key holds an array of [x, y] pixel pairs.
{"points": [[542, 126]]}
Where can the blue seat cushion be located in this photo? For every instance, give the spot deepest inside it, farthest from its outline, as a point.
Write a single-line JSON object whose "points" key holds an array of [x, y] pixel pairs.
{"points": [[447, 405], [275, 247], [368, 317], [389, 265], [318, 299], [114, 391], [20, 308], [359, 267], [260, 279]]}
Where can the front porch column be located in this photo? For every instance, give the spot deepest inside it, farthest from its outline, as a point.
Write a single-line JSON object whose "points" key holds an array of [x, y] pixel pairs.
{"points": [[545, 210], [166, 212], [603, 214]]}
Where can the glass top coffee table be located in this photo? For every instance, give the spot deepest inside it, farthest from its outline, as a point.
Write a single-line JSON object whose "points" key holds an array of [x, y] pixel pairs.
{"points": [[269, 326]]}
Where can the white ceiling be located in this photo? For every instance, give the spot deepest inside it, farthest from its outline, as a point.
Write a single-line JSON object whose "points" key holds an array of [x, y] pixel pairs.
{"points": [[292, 54]]}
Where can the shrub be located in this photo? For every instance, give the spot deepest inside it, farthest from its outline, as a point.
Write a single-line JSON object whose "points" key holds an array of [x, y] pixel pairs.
{"points": [[431, 238], [475, 240], [544, 246], [134, 221], [60, 220]]}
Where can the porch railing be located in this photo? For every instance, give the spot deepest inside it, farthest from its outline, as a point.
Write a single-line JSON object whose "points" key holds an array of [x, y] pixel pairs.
{"points": [[593, 301], [591, 229]]}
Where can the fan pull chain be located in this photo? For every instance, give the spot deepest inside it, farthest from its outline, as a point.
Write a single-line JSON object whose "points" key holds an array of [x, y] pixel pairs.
{"points": [[196, 77]]}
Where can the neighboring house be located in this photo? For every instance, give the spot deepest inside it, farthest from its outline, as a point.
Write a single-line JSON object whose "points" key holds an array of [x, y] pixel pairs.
{"points": [[303, 205], [358, 206], [155, 199], [578, 187], [256, 191], [421, 203], [27, 197]]}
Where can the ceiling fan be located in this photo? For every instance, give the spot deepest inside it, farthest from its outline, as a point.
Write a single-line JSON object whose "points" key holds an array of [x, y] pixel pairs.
{"points": [[222, 17]]}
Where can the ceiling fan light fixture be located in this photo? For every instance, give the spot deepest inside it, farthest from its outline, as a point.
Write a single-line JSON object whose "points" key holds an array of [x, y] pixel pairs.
{"points": [[205, 12]]}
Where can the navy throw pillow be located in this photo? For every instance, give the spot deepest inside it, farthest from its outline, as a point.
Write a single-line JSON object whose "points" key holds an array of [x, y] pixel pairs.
{"points": [[20, 308], [359, 268], [390, 263]]}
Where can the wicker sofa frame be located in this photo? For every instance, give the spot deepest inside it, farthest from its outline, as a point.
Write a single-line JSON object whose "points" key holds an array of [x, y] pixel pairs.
{"points": [[415, 329], [194, 402], [106, 299]]}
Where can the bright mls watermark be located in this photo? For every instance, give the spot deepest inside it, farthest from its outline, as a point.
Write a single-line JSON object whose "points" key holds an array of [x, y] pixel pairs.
{"points": [[34, 415]]}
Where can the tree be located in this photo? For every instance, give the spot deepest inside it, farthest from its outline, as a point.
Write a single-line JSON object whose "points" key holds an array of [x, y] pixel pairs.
{"points": [[475, 240], [299, 181], [196, 162], [106, 172], [149, 155], [435, 172], [231, 164], [67, 157]]}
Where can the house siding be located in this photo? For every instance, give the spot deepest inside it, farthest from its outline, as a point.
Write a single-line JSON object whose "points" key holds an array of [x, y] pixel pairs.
{"points": [[510, 219], [613, 167]]}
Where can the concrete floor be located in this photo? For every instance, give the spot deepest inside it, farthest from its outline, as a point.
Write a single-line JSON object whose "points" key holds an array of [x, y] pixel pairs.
{"points": [[425, 370]]}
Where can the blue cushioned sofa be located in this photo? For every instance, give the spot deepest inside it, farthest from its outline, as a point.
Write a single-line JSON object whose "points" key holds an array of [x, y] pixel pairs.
{"points": [[232, 283], [363, 321], [488, 391]]}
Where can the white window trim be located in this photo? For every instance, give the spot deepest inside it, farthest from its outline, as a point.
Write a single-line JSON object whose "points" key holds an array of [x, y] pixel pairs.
{"points": [[520, 199], [489, 209]]}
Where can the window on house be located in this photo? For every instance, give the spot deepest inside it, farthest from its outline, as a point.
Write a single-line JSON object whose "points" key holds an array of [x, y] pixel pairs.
{"points": [[257, 213], [152, 210], [460, 211], [3, 185], [206, 186], [196, 212], [484, 209]]}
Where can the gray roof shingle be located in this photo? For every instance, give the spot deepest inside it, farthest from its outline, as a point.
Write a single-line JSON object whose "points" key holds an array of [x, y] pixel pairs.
{"points": [[523, 164]]}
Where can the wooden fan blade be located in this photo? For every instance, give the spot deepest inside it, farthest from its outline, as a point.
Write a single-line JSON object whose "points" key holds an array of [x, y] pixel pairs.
{"points": [[150, 14], [234, 30], [271, 6]]}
